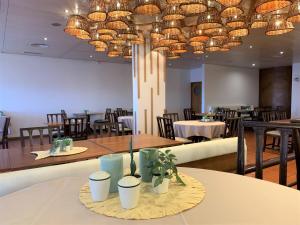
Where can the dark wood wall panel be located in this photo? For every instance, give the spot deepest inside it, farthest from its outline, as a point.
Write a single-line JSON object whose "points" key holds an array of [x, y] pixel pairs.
{"points": [[275, 87]]}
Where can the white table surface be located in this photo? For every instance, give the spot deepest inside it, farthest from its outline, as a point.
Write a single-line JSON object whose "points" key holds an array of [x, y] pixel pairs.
{"points": [[189, 128], [230, 199], [127, 120]]}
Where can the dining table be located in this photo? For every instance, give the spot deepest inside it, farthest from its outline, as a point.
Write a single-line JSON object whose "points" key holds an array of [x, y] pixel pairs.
{"points": [[127, 121], [18, 158], [230, 199], [189, 128]]}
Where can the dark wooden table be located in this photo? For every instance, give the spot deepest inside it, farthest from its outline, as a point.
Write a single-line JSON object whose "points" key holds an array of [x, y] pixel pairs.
{"points": [[20, 158], [119, 144]]}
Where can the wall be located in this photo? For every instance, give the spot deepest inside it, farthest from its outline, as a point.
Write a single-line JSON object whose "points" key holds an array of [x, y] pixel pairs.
{"points": [[230, 86], [31, 87], [178, 88], [275, 87], [296, 91]]}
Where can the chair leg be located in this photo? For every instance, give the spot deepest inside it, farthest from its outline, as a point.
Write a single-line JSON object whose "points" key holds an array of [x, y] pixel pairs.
{"points": [[265, 142], [273, 143]]}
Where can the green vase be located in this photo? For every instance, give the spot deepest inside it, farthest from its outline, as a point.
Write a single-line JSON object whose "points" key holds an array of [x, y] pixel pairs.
{"points": [[147, 155]]}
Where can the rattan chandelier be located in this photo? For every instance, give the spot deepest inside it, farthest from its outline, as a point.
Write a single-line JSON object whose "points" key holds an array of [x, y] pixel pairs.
{"points": [[175, 27]]}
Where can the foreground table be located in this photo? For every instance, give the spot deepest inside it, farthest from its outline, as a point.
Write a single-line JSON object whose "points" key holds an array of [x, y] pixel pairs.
{"points": [[230, 199], [189, 128]]}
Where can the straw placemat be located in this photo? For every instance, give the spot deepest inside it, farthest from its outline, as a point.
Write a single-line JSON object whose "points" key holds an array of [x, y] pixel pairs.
{"points": [[151, 205]]}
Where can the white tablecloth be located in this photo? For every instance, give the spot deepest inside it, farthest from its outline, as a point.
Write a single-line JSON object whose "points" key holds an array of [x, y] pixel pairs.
{"points": [[127, 120], [230, 199], [191, 128]]}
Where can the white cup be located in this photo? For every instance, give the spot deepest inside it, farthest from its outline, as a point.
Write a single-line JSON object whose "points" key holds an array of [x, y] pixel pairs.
{"points": [[99, 185], [129, 191]]}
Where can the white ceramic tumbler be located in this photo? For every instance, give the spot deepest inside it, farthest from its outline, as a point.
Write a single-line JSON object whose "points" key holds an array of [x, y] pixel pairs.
{"points": [[129, 191], [99, 185]]}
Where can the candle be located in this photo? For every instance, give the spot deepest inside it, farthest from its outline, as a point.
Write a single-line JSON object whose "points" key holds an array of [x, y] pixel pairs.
{"points": [[113, 164], [146, 155]]}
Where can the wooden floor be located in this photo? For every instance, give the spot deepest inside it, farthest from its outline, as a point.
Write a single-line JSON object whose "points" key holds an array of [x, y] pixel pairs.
{"points": [[270, 174]]}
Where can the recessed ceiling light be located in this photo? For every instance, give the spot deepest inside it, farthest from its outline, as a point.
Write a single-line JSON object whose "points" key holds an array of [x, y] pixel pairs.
{"points": [[91, 56], [66, 11], [206, 56], [170, 64], [250, 46], [45, 39], [281, 53], [39, 45], [253, 64]]}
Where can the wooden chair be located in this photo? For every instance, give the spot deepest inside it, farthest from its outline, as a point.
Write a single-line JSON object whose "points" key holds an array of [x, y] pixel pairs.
{"points": [[4, 137], [31, 130], [55, 117], [268, 116], [189, 114], [166, 130], [113, 119], [272, 133], [76, 128], [231, 127], [230, 113], [281, 115], [173, 116], [117, 128]]}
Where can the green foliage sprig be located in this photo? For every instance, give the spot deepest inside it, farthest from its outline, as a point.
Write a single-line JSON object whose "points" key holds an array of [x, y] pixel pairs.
{"points": [[132, 162], [164, 167]]}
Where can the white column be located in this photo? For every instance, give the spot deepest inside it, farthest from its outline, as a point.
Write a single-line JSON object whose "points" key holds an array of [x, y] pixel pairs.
{"points": [[149, 88]]}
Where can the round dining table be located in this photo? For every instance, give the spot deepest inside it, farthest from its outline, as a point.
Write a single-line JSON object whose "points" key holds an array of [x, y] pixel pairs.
{"points": [[229, 199], [190, 128]]}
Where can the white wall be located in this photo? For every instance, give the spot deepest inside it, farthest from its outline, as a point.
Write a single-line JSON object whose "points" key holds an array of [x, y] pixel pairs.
{"points": [[31, 87], [296, 91], [178, 87], [230, 86]]}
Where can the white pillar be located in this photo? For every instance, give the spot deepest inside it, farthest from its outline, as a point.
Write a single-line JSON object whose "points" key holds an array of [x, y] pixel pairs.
{"points": [[149, 88]]}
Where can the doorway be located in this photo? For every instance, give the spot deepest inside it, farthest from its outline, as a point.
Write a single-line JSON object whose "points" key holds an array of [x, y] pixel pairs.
{"points": [[196, 96]]}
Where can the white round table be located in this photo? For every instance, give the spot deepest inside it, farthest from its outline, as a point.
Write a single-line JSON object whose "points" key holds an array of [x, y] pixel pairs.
{"points": [[189, 128], [127, 120], [230, 199]]}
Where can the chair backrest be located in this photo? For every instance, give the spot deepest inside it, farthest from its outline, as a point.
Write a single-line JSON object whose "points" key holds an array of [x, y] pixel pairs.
{"points": [[118, 128], [173, 116], [108, 110], [165, 127], [55, 117], [112, 117], [5, 132], [64, 114], [281, 115], [189, 114], [31, 130], [230, 113], [231, 127], [76, 128], [268, 116]]}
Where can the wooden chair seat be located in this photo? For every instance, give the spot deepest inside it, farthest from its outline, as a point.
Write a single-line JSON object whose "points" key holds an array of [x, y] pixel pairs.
{"points": [[273, 133]]}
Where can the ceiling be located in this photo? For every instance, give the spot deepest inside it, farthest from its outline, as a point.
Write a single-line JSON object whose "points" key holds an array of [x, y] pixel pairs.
{"points": [[24, 22]]}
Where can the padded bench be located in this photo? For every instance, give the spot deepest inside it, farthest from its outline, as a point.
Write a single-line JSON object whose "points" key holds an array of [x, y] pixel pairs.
{"points": [[198, 155]]}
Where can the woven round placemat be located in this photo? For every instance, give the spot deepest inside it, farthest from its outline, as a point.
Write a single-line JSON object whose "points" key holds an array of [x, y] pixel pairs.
{"points": [[151, 205]]}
